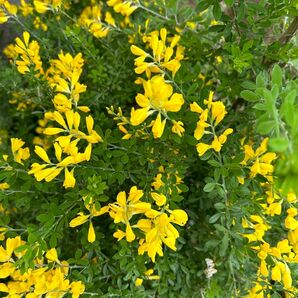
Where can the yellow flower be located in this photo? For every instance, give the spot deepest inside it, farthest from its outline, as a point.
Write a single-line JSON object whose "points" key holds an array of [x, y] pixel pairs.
{"points": [[49, 170], [290, 222], [158, 230], [63, 76], [77, 288], [138, 282], [91, 19], [82, 218], [79, 220], [158, 127], [11, 245], [276, 272], [286, 276], [29, 55], [158, 183], [178, 128], [125, 208], [149, 275], [40, 6], [259, 226], [52, 255], [91, 233], [130, 236], [218, 111], [273, 209], [119, 234], [202, 148], [260, 160], [6, 10], [158, 97], [69, 180], [159, 199], [162, 231], [42, 154], [18, 152], [4, 185], [179, 217], [123, 7], [291, 197], [162, 57], [263, 268], [6, 269]]}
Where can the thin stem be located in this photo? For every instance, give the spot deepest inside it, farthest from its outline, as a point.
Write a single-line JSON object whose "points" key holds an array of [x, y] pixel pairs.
{"points": [[153, 12]]}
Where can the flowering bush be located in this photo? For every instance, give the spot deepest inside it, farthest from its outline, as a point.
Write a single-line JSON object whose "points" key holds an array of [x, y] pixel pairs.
{"points": [[152, 146]]}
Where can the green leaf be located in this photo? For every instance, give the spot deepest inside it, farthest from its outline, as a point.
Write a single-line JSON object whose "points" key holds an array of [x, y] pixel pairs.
{"points": [[265, 127], [248, 85], [220, 206], [278, 144], [260, 107], [214, 218], [276, 75], [289, 113], [220, 228], [21, 248], [291, 96], [192, 89], [103, 198], [229, 2], [224, 245], [260, 81], [249, 95], [209, 187], [214, 163], [216, 11]]}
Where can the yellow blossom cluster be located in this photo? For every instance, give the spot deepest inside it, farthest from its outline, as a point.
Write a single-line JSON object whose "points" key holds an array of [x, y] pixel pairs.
{"points": [[28, 55], [273, 203], [148, 274], [82, 218], [277, 268], [123, 120], [157, 98], [63, 77], [161, 179], [92, 19], [209, 118], [162, 54], [27, 8], [258, 225], [7, 10], [38, 24], [3, 186], [157, 228], [274, 260], [126, 8], [48, 278], [19, 153], [22, 101], [259, 161], [44, 5]]}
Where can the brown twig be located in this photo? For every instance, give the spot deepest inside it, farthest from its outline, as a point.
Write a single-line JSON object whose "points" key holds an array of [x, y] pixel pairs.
{"points": [[289, 33]]}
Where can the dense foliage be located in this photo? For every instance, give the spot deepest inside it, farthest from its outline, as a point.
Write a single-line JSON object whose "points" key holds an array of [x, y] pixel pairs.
{"points": [[149, 149]]}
